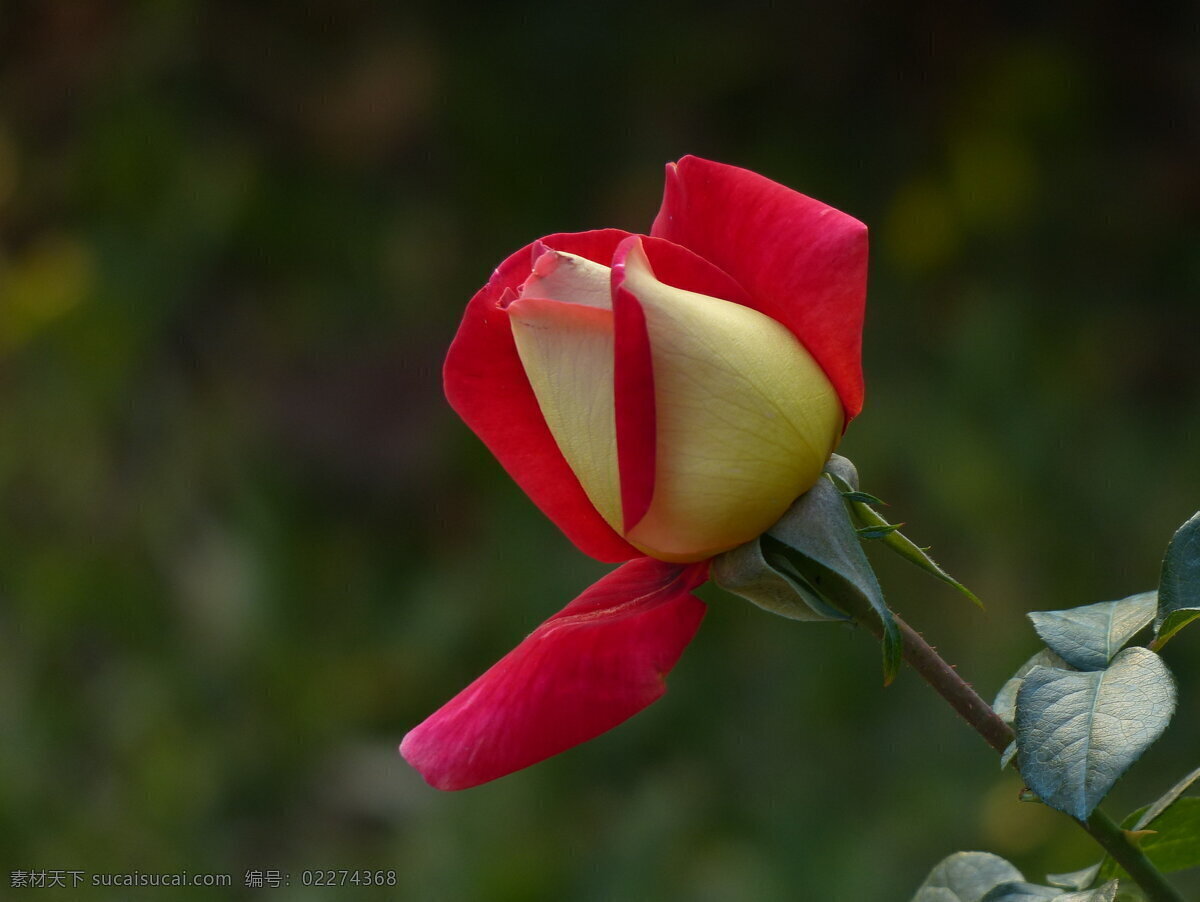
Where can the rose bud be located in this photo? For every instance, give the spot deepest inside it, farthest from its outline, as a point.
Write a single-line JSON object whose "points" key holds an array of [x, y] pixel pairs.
{"points": [[742, 417], [664, 397]]}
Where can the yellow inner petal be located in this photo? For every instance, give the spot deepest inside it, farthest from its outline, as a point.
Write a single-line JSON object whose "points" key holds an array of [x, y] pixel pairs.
{"points": [[746, 420], [563, 327]]}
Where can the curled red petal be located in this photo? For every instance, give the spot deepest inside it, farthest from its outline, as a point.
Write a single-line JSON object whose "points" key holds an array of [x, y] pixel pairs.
{"points": [[675, 265], [596, 663], [633, 395], [486, 384], [633, 370], [801, 262]]}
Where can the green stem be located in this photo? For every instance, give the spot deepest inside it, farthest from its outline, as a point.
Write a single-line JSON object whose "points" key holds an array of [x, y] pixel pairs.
{"points": [[933, 668], [957, 692], [1116, 843]]}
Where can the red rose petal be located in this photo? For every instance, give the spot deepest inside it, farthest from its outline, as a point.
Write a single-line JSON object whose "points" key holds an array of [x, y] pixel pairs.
{"points": [[802, 262], [633, 395], [593, 665]]}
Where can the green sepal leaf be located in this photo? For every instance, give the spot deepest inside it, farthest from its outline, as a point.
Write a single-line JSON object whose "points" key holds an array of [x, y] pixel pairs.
{"points": [[768, 579], [1021, 892], [868, 518], [814, 554], [1075, 880], [862, 497], [1175, 843], [1087, 637], [818, 540], [1179, 582], [966, 877], [1077, 732], [878, 532], [1005, 704]]}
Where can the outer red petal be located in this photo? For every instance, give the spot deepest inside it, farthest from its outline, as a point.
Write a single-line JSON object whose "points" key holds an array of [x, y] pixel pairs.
{"points": [[802, 262], [588, 668], [675, 265], [486, 384]]}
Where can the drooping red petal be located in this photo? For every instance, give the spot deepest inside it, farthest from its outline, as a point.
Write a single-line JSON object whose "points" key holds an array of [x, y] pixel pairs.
{"points": [[801, 262], [596, 663], [486, 384]]}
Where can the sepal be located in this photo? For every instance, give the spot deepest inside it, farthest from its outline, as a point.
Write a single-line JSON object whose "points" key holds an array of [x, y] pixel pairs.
{"points": [[765, 577], [872, 525], [813, 552]]}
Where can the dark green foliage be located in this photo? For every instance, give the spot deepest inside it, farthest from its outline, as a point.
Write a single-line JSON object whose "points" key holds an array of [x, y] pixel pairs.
{"points": [[1179, 586], [1077, 732], [1087, 637], [1173, 840], [966, 877]]}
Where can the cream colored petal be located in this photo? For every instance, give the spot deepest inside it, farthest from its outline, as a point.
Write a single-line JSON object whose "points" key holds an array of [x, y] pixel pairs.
{"points": [[568, 277], [567, 352], [746, 420]]}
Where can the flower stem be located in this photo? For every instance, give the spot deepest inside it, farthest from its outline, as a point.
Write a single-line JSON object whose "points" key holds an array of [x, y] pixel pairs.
{"points": [[957, 692], [1116, 843], [933, 669]]}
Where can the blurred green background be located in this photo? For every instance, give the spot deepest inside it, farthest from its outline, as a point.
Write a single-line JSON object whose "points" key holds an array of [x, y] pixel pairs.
{"points": [[245, 545]]}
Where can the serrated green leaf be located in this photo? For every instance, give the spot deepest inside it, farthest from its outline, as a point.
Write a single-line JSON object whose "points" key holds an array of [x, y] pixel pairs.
{"points": [[1087, 637], [896, 541], [966, 877], [1005, 704], [1179, 582], [1075, 880], [1077, 732], [1175, 843], [1021, 892]]}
